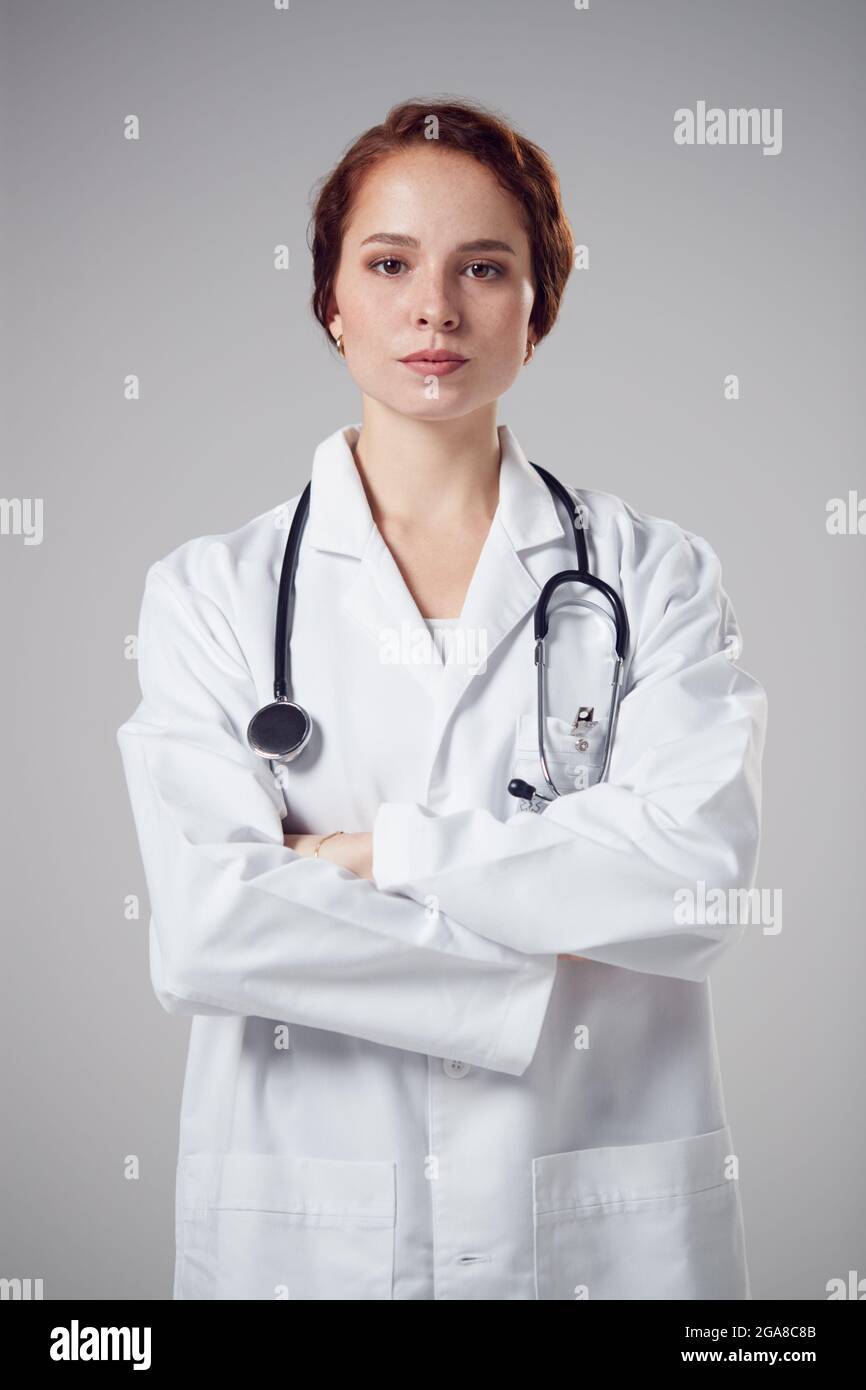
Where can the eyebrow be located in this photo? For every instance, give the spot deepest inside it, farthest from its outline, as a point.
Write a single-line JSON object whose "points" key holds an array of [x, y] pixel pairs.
{"points": [[482, 244]]}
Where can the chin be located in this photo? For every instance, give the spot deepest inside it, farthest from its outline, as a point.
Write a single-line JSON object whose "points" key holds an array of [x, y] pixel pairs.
{"points": [[441, 409], [416, 405]]}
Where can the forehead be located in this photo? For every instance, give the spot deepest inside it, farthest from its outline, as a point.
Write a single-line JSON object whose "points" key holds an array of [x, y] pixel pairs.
{"points": [[439, 183]]}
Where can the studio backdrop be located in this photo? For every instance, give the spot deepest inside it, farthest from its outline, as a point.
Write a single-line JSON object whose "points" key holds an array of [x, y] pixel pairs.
{"points": [[164, 378]]}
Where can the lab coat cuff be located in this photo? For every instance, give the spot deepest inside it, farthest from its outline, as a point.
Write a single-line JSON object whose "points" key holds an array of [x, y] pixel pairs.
{"points": [[524, 1014]]}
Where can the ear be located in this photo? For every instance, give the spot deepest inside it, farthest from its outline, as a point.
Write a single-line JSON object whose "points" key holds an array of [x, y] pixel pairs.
{"points": [[335, 322]]}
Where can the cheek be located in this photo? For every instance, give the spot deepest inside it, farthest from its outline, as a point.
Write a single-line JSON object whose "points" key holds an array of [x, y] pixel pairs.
{"points": [[377, 319], [506, 329], [356, 296], [506, 317]]}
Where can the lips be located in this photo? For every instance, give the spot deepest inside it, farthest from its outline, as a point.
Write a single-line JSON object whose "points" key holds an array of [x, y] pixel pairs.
{"points": [[432, 366], [434, 355]]}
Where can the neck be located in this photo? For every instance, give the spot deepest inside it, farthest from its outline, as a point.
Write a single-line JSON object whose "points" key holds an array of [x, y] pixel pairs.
{"points": [[430, 474]]}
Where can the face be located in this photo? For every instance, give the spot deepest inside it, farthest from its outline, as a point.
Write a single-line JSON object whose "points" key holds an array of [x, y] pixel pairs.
{"points": [[419, 271]]}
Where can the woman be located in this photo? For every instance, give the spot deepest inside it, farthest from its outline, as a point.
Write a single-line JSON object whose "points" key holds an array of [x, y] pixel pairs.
{"points": [[443, 1048]]}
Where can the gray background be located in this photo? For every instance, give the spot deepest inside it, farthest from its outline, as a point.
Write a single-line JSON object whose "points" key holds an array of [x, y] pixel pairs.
{"points": [[155, 257]]}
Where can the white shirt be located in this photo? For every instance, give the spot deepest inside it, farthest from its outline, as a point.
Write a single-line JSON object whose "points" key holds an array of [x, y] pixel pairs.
{"points": [[395, 1090]]}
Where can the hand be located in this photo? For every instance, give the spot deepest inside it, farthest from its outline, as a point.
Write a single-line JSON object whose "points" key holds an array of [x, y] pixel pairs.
{"points": [[353, 851]]}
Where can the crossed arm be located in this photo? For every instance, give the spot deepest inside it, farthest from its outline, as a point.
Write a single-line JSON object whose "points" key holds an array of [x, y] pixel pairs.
{"points": [[353, 851], [243, 923]]}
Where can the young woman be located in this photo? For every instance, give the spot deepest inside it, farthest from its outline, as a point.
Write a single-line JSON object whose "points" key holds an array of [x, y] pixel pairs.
{"points": [[447, 1042]]}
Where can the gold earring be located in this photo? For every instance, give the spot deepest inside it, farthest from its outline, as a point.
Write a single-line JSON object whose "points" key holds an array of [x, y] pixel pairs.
{"points": [[340, 347], [530, 351]]}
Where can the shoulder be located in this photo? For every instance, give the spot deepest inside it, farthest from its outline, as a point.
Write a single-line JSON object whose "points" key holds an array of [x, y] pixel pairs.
{"points": [[646, 547], [217, 565], [667, 575], [635, 533]]}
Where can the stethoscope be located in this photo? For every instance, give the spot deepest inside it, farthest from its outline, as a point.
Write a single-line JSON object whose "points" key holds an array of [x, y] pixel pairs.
{"points": [[281, 730]]}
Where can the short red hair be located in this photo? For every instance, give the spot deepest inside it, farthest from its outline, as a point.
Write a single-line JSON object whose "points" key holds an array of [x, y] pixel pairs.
{"points": [[522, 168]]}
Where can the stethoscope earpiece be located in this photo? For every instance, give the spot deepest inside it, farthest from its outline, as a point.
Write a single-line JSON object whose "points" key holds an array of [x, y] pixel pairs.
{"points": [[524, 792]]}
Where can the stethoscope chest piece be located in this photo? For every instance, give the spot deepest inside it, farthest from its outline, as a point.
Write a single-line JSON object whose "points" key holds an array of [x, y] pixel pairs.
{"points": [[279, 731]]}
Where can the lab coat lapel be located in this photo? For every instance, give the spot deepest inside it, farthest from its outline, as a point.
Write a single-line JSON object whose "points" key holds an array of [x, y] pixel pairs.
{"points": [[381, 601], [500, 594], [502, 590]]}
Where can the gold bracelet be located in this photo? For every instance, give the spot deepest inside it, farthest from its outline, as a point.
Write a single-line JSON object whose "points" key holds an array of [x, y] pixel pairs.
{"points": [[323, 839]]}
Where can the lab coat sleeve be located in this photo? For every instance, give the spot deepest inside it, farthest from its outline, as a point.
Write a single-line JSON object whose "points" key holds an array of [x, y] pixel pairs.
{"points": [[610, 872], [240, 924]]}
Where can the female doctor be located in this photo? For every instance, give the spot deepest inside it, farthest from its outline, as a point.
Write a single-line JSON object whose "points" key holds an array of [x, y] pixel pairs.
{"points": [[444, 1047]]}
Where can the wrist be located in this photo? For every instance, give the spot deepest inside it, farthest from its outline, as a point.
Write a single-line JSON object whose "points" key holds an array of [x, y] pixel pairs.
{"points": [[320, 840]]}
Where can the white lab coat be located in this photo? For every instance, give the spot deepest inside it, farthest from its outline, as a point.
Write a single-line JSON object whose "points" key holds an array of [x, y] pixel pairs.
{"points": [[395, 1090]]}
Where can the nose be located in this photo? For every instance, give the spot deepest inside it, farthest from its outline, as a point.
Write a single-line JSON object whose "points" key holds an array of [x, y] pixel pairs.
{"points": [[433, 308], [436, 319]]}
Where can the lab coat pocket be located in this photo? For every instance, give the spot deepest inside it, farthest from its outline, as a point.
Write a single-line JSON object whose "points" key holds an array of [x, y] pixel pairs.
{"points": [[574, 759], [269, 1226], [640, 1221]]}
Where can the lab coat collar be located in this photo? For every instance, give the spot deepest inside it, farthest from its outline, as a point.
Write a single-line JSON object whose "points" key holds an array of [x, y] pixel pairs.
{"points": [[501, 593], [340, 519]]}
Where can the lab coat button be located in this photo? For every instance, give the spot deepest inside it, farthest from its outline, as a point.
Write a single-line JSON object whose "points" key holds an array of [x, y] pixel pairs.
{"points": [[452, 1068]]}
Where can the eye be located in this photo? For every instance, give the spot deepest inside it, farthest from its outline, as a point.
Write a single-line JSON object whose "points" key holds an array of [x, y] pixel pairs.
{"points": [[387, 260], [484, 265]]}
